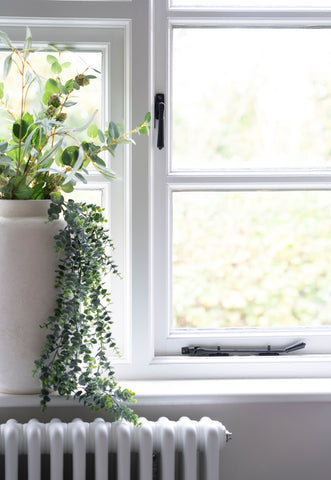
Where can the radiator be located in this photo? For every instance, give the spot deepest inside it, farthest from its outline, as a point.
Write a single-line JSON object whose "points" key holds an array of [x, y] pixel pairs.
{"points": [[161, 450]]}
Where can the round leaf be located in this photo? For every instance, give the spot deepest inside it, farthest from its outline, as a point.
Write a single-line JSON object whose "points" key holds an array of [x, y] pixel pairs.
{"points": [[68, 187], [92, 131], [70, 155], [51, 59], [51, 86], [56, 67]]}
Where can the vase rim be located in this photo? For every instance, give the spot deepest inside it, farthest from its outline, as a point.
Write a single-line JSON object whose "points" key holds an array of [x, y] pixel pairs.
{"points": [[24, 208]]}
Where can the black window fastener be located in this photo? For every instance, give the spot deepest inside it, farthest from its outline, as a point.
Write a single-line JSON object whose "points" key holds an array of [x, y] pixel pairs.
{"points": [[225, 352]]}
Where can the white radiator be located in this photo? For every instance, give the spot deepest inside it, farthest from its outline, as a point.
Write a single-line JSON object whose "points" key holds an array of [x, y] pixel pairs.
{"points": [[162, 450]]}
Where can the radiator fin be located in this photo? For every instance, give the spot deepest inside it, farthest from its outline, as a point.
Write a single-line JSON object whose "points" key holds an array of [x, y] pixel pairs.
{"points": [[162, 450]]}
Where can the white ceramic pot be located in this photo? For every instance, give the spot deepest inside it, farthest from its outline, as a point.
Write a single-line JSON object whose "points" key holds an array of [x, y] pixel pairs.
{"points": [[27, 294]]}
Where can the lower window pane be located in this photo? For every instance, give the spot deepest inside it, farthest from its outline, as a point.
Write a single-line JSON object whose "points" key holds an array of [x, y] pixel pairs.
{"points": [[251, 259]]}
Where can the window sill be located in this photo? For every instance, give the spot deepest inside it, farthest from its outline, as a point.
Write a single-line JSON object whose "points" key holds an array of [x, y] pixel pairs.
{"points": [[179, 392], [201, 392]]}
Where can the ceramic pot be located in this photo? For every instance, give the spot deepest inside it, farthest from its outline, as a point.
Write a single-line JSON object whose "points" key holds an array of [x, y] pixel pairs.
{"points": [[27, 294]]}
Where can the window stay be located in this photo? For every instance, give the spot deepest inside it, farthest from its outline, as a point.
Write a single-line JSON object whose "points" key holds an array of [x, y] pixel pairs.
{"points": [[224, 352]]}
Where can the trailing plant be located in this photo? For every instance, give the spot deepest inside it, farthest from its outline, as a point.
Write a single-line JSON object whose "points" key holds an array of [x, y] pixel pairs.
{"points": [[75, 359], [42, 152]]}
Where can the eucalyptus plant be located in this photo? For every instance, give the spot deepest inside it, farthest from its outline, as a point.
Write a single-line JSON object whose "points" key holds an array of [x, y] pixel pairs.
{"points": [[75, 359], [41, 157], [42, 152]]}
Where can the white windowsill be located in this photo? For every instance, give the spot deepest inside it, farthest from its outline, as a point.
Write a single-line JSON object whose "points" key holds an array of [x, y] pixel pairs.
{"points": [[195, 392]]}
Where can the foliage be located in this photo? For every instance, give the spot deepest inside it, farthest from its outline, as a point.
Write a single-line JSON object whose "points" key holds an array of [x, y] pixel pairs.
{"points": [[74, 361], [251, 259], [42, 153]]}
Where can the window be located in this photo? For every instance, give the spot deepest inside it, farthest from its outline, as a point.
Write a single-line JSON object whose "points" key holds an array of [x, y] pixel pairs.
{"points": [[241, 191], [206, 227]]}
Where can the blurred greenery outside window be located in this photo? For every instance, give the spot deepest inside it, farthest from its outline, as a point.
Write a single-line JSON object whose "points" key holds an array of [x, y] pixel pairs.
{"points": [[257, 103]]}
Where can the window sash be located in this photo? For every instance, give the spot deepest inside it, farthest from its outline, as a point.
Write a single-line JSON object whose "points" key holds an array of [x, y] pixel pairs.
{"points": [[168, 342]]}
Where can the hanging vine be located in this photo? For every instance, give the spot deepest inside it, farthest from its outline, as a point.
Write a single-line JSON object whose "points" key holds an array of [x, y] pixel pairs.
{"points": [[75, 359]]}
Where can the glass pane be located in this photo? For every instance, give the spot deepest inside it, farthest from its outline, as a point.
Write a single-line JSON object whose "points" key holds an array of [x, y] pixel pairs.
{"points": [[87, 195], [251, 259], [251, 98], [89, 98]]}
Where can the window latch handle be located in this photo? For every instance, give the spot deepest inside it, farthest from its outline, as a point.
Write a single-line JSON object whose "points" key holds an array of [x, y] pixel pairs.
{"points": [[159, 115]]}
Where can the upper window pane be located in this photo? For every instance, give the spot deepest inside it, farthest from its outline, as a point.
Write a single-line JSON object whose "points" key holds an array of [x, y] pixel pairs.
{"points": [[251, 97], [86, 102]]}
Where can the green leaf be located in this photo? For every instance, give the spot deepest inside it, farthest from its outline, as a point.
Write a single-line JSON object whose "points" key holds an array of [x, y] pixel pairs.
{"points": [[101, 136], [68, 187], [70, 104], [92, 131], [51, 153], [98, 161], [56, 197], [23, 191], [1, 89], [109, 174], [20, 128], [143, 130], [38, 191], [62, 88], [46, 98], [56, 67], [125, 141], [3, 147], [113, 131], [6, 161], [7, 66], [69, 84], [70, 155], [78, 163], [5, 40], [66, 64], [27, 143], [81, 177], [28, 42], [51, 59], [147, 117], [51, 86], [50, 46], [51, 170]]}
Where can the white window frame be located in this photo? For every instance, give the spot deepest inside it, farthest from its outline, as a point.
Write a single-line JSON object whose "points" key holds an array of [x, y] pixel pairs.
{"points": [[166, 358], [141, 207]]}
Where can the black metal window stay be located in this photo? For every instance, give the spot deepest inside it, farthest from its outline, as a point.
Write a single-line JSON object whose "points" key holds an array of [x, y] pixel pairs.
{"points": [[225, 352]]}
